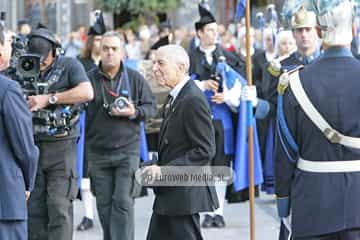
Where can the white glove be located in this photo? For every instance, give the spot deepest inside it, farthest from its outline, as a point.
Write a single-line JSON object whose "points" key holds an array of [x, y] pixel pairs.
{"points": [[248, 93], [275, 64]]}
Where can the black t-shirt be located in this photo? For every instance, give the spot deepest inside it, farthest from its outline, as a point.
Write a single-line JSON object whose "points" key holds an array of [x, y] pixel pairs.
{"points": [[88, 63], [72, 75], [109, 135]]}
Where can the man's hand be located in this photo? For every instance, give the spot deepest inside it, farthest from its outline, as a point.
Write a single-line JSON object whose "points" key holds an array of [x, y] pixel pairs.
{"points": [[218, 98], [27, 195], [38, 102], [151, 173], [211, 85], [124, 112]]}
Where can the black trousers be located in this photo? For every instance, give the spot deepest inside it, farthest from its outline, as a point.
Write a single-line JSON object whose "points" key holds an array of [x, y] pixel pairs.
{"points": [[112, 180], [174, 227], [352, 234], [220, 158], [50, 205]]}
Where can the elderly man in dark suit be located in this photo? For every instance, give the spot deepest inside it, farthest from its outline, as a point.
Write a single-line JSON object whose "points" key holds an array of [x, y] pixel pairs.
{"points": [[186, 139]]}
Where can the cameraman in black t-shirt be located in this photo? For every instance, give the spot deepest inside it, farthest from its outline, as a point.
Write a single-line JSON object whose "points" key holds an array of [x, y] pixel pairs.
{"points": [[62, 85]]}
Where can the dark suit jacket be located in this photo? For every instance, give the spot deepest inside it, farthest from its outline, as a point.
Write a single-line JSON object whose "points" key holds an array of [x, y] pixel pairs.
{"points": [[18, 153], [330, 200], [186, 139]]}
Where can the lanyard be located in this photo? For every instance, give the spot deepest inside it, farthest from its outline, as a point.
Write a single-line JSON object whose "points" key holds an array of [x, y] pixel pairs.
{"points": [[116, 93]]}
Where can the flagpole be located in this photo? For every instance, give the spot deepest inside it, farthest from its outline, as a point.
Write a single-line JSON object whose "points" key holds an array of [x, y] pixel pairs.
{"points": [[250, 130]]}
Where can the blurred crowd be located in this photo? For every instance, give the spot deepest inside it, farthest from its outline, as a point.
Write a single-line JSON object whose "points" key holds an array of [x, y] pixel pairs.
{"points": [[268, 36]]}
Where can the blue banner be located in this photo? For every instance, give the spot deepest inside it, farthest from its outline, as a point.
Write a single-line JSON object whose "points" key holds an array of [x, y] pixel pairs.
{"points": [[245, 118], [240, 10], [81, 148], [241, 162], [144, 153]]}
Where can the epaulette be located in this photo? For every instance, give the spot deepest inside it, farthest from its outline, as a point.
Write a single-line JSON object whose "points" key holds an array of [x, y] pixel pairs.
{"points": [[274, 68], [285, 78]]}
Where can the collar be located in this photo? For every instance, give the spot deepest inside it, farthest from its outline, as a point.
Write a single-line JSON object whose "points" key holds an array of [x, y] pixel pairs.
{"points": [[95, 59], [207, 51], [337, 52], [176, 90], [307, 59], [107, 77]]}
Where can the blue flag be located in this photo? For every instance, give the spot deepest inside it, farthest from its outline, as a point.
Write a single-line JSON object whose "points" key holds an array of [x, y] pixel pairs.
{"points": [[240, 10], [144, 152], [81, 148], [269, 179], [245, 113], [241, 167]]}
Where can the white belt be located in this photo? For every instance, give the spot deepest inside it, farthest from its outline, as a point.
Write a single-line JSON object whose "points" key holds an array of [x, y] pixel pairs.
{"points": [[329, 167]]}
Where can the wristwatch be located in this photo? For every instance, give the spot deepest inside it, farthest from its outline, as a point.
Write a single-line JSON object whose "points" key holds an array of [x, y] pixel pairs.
{"points": [[53, 99]]}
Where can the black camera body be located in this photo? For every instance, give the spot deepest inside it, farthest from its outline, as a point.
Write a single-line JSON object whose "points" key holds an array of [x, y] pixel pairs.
{"points": [[58, 120], [25, 69], [216, 76], [19, 48], [28, 74]]}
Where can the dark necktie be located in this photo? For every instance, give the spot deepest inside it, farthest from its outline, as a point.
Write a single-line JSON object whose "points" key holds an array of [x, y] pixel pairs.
{"points": [[167, 106]]}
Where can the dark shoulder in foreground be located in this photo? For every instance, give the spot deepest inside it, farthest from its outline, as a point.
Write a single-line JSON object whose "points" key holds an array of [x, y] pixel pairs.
{"points": [[6, 82], [334, 67]]}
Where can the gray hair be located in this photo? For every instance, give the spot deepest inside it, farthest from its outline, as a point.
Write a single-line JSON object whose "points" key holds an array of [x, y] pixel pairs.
{"points": [[176, 54], [116, 35]]}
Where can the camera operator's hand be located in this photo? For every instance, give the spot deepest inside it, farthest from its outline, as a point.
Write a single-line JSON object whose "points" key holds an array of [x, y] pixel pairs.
{"points": [[211, 85], [38, 102], [218, 98], [124, 112]]}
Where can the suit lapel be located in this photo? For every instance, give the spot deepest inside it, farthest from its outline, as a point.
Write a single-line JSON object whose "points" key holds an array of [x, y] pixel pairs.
{"points": [[178, 99]]}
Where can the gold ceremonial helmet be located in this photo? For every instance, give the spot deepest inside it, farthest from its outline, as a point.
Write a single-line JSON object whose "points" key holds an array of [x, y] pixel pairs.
{"points": [[303, 18]]}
